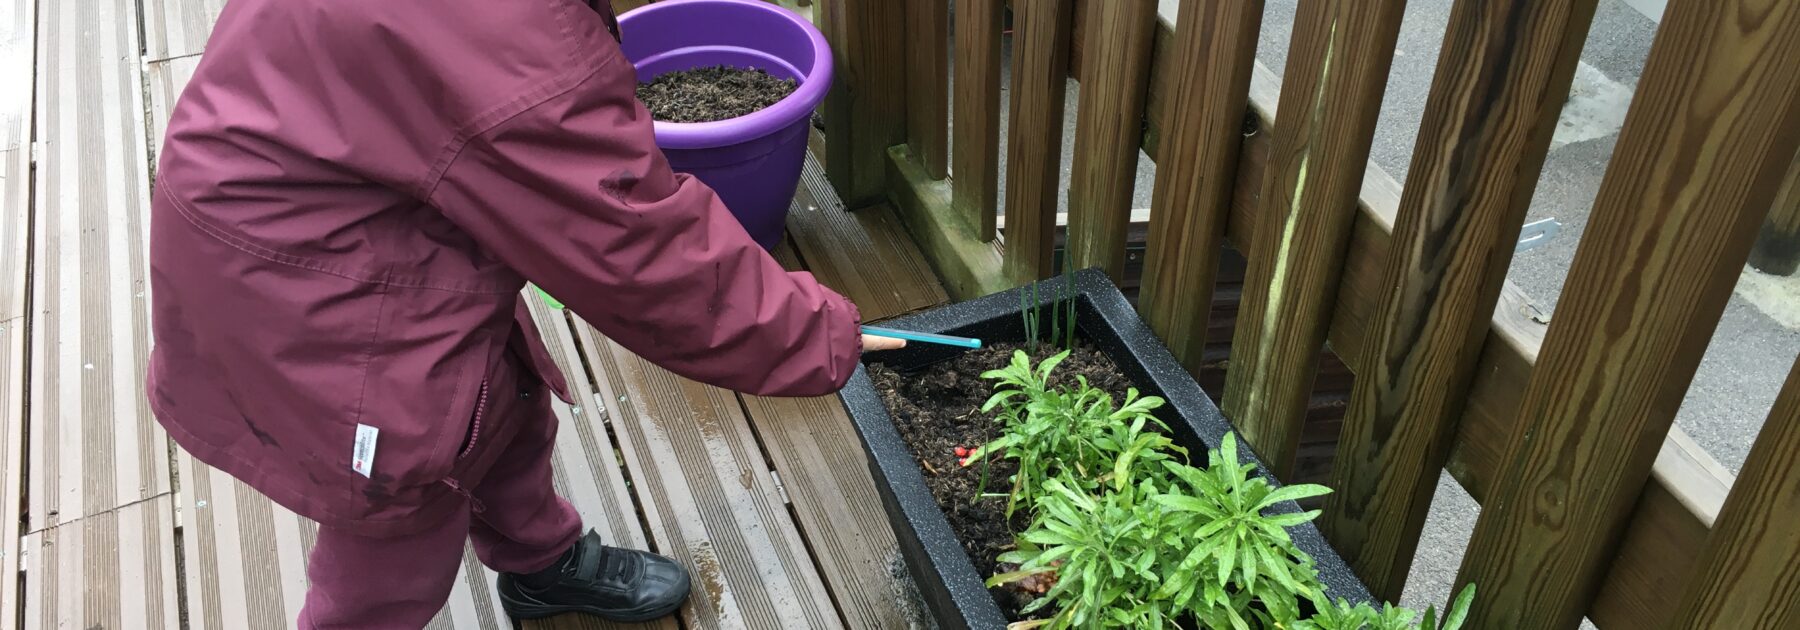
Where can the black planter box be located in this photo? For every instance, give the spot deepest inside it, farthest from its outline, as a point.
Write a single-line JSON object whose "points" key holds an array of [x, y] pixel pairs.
{"points": [[947, 579]]}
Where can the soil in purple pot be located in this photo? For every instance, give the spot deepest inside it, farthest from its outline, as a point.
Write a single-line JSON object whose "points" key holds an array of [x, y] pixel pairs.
{"points": [[938, 409], [711, 93]]}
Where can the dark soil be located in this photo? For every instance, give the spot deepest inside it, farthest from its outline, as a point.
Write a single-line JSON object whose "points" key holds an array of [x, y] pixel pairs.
{"points": [[711, 93], [939, 408]]}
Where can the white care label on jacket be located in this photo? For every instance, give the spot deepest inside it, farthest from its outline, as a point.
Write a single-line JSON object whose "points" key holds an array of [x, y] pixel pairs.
{"points": [[362, 454]]}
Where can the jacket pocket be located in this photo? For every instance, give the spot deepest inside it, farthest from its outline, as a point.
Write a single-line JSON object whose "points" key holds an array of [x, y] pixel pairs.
{"points": [[481, 407]]}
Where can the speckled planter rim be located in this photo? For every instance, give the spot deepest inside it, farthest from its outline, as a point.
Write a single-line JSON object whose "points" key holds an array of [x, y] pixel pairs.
{"points": [[947, 580]]}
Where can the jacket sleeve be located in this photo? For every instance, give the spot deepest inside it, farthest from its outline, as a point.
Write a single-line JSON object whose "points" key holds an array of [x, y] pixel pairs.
{"points": [[573, 194]]}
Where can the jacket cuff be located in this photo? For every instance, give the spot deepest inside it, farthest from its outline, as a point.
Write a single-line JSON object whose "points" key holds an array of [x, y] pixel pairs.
{"points": [[846, 339]]}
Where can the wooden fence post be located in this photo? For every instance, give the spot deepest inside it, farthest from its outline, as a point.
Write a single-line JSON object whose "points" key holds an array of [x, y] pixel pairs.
{"points": [[928, 84], [1040, 77], [1501, 80], [1715, 122], [862, 115], [1115, 72], [975, 156], [1748, 577], [1777, 249], [1214, 52], [1338, 60]]}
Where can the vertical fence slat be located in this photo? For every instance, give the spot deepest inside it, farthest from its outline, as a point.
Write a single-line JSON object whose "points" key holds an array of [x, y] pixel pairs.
{"points": [[928, 84], [1337, 71], [975, 156], [1214, 52], [862, 115], [1748, 576], [1040, 73], [1714, 125], [1107, 128], [1501, 79], [1109, 123], [1777, 249]]}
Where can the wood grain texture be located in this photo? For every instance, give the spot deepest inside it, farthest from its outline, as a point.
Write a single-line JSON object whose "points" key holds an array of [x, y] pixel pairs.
{"points": [[968, 266], [1108, 127], [708, 497], [928, 84], [1713, 127], [1040, 71], [975, 107], [825, 474], [1336, 75], [1687, 485], [178, 28], [1213, 56], [1749, 575], [93, 444], [114, 569], [1777, 248], [865, 255], [863, 115], [1499, 87]]}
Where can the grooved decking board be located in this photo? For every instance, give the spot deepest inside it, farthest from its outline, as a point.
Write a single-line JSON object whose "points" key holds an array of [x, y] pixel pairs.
{"points": [[17, 47], [587, 470], [94, 446], [167, 79], [12, 425], [18, 28], [826, 475], [866, 255], [114, 569], [708, 496], [177, 28], [245, 557]]}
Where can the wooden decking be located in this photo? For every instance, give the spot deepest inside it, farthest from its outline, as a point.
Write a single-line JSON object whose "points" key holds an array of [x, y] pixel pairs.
{"points": [[767, 501]]}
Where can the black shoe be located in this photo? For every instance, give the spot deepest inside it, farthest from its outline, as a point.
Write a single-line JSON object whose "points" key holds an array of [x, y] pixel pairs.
{"points": [[607, 582]]}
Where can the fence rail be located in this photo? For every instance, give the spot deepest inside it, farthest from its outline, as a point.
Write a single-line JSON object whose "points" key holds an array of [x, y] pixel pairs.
{"points": [[1593, 504]]}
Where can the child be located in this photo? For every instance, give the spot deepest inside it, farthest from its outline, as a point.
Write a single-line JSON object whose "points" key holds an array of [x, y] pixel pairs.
{"points": [[350, 197]]}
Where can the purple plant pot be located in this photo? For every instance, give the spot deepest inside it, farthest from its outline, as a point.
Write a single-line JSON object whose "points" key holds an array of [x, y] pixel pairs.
{"points": [[752, 161]]}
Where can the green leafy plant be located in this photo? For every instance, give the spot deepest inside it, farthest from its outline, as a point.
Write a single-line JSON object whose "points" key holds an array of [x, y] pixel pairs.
{"points": [[1342, 615], [1125, 534], [1247, 550], [1075, 429]]}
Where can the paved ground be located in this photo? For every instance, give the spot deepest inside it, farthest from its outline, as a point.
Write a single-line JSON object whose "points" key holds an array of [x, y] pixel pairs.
{"points": [[1758, 337]]}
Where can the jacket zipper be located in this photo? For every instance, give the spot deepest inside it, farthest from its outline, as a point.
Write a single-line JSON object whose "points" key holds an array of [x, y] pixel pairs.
{"points": [[481, 401]]}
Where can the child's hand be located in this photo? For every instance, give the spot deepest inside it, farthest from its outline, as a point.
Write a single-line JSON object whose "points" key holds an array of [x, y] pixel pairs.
{"points": [[872, 343]]}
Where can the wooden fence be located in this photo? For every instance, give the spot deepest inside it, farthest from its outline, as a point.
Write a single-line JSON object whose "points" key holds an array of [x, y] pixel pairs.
{"points": [[1593, 504]]}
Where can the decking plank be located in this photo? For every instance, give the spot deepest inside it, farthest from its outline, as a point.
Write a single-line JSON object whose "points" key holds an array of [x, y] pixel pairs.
{"points": [[866, 255], [93, 445], [708, 496], [18, 29], [826, 476], [17, 45], [178, 28], [114, 569], [12, 435]]}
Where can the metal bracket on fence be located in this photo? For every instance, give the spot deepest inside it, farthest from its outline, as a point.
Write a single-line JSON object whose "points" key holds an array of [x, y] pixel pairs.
{"points": [[1537, 233]]}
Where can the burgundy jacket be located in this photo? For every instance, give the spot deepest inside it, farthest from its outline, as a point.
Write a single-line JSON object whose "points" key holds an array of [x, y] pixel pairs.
{"points": [[349, 199]]}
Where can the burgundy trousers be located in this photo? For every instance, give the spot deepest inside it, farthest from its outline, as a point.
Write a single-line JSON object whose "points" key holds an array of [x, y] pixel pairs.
{"points": [[514, 519]]}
